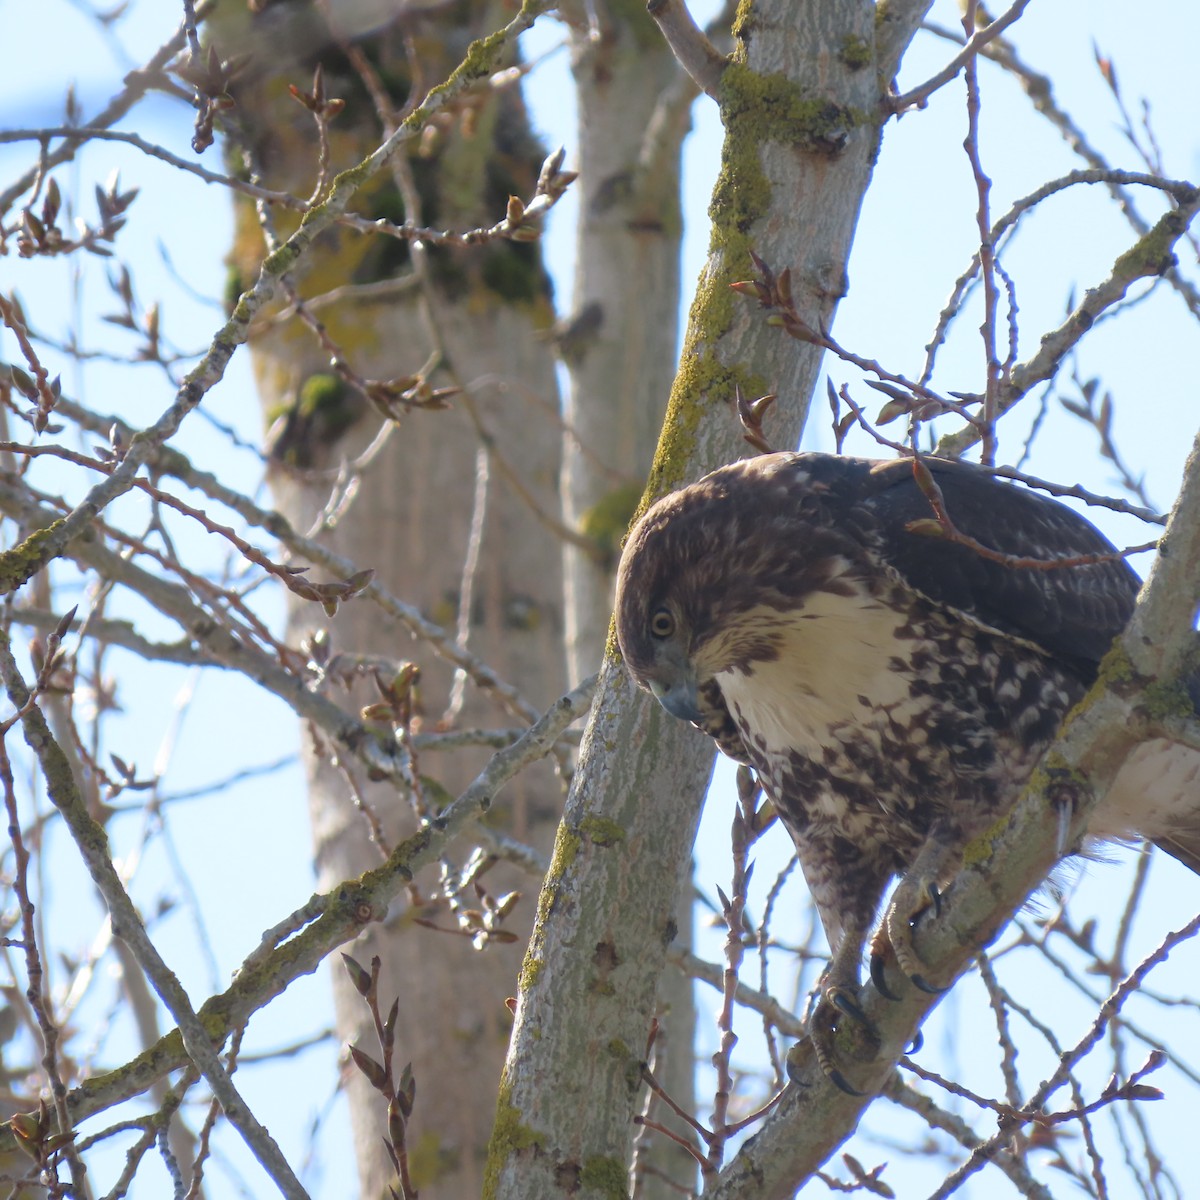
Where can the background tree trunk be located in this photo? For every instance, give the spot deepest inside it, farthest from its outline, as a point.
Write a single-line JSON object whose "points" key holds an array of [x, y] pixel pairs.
{"points": [[619, 344], [477, 314], [619, 349]]}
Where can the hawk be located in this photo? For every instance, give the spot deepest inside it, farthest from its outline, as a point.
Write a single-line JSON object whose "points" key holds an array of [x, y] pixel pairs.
{"points": [[892, 690]]}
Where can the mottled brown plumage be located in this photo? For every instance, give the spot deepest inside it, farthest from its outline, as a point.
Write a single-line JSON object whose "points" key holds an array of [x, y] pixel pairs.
{"points": [[893, 691]]}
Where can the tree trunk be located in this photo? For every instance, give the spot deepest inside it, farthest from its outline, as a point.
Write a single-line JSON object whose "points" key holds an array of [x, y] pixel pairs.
{"points": [[801, 103], [476, 311], [619, 349]]}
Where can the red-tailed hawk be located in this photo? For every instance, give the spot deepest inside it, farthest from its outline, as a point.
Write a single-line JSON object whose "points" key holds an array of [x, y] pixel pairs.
{"points": [[893, 691]]}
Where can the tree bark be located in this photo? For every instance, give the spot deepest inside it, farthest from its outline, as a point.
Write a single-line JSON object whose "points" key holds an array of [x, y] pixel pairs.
{"points": [[471, 484], [618, 347], [619, 344], [801, 103]]}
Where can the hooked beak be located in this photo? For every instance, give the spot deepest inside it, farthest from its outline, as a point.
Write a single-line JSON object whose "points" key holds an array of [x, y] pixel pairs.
{"points": [[679, 697]]}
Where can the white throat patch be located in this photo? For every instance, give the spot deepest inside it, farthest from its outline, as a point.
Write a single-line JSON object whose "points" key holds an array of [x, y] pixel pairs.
{"points": [[833, 668]]}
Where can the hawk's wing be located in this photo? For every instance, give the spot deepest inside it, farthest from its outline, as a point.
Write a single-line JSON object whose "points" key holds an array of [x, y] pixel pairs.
{"points": [[1071, 612]]}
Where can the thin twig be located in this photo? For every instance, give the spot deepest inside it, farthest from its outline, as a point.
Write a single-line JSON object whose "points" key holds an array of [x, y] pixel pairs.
{"points": [[31, 556], [695, 53], [127, 924], [987, 254], [920, 94], [137, 84]]}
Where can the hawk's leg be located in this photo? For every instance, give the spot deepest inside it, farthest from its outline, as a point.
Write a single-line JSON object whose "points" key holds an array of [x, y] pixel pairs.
{"points": [[836, 999], [918, 892], [847, 881]]}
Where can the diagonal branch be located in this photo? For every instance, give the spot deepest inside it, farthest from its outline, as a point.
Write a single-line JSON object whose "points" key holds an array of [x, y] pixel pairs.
{"points": [[137, 84], [326, 921], [170, 461], [696, 54], [127, 924], [919, 95], [1151, 255]]}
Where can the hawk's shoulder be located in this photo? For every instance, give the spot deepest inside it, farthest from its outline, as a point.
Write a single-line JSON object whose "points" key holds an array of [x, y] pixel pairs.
{"points": [[1070, 611]]}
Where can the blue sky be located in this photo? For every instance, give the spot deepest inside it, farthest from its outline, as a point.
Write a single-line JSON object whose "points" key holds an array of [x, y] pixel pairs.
{"points": [[915, 237]]}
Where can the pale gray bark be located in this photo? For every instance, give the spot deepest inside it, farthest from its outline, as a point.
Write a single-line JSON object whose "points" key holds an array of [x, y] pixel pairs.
{"points": [[412, 523], [618, 347], [454, 514]]}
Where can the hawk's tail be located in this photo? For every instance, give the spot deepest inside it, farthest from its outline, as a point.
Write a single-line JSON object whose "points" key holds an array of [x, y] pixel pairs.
{"points": [[1156, 796], [1184, 847]]}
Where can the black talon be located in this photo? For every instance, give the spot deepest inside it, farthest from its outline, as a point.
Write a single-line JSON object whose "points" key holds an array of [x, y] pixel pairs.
{"points": [[917, 1042], [927, 988], [844, 1003], [840, 1082], [935, 898], [879, 979]]}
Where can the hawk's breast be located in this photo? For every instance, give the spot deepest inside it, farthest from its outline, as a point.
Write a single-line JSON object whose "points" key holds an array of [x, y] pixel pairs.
{"points": [[874, 701], [839, 661]]}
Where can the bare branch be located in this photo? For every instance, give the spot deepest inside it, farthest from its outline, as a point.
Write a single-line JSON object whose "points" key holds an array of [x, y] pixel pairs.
{"points": [[1149, 257], [297, 946], [171, 462], [127, 924], [137, 84], [696, 54], [920, 94], [24, 561]]}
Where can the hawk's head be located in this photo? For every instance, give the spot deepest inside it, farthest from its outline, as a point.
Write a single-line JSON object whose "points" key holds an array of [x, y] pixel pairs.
{"points": [[661, 610], [710, 573]]}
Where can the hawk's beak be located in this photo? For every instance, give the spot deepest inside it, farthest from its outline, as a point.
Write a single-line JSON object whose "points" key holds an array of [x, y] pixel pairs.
{"points": [[679, 697]]}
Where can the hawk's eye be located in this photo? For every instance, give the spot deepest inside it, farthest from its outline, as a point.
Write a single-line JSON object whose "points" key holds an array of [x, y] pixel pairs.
{"points": [[662, 623]]}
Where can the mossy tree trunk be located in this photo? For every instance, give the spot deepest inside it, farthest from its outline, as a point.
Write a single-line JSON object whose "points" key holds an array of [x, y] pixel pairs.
{"points": [[803, 118]]}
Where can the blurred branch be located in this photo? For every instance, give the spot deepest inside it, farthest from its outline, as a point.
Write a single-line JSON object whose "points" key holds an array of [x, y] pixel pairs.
{"points": [[950, 1123], [1178, 191], [696, 54], [918, 96], [127, 924], [329, 595], [20, 564], [137, 84], [170, 461], [328, 920], [714, 975], [1039, 88], [80, 134], [220, 645]]}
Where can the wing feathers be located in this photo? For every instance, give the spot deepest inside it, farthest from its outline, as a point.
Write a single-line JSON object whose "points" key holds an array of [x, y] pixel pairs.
{"points": [[1073, 612]]}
